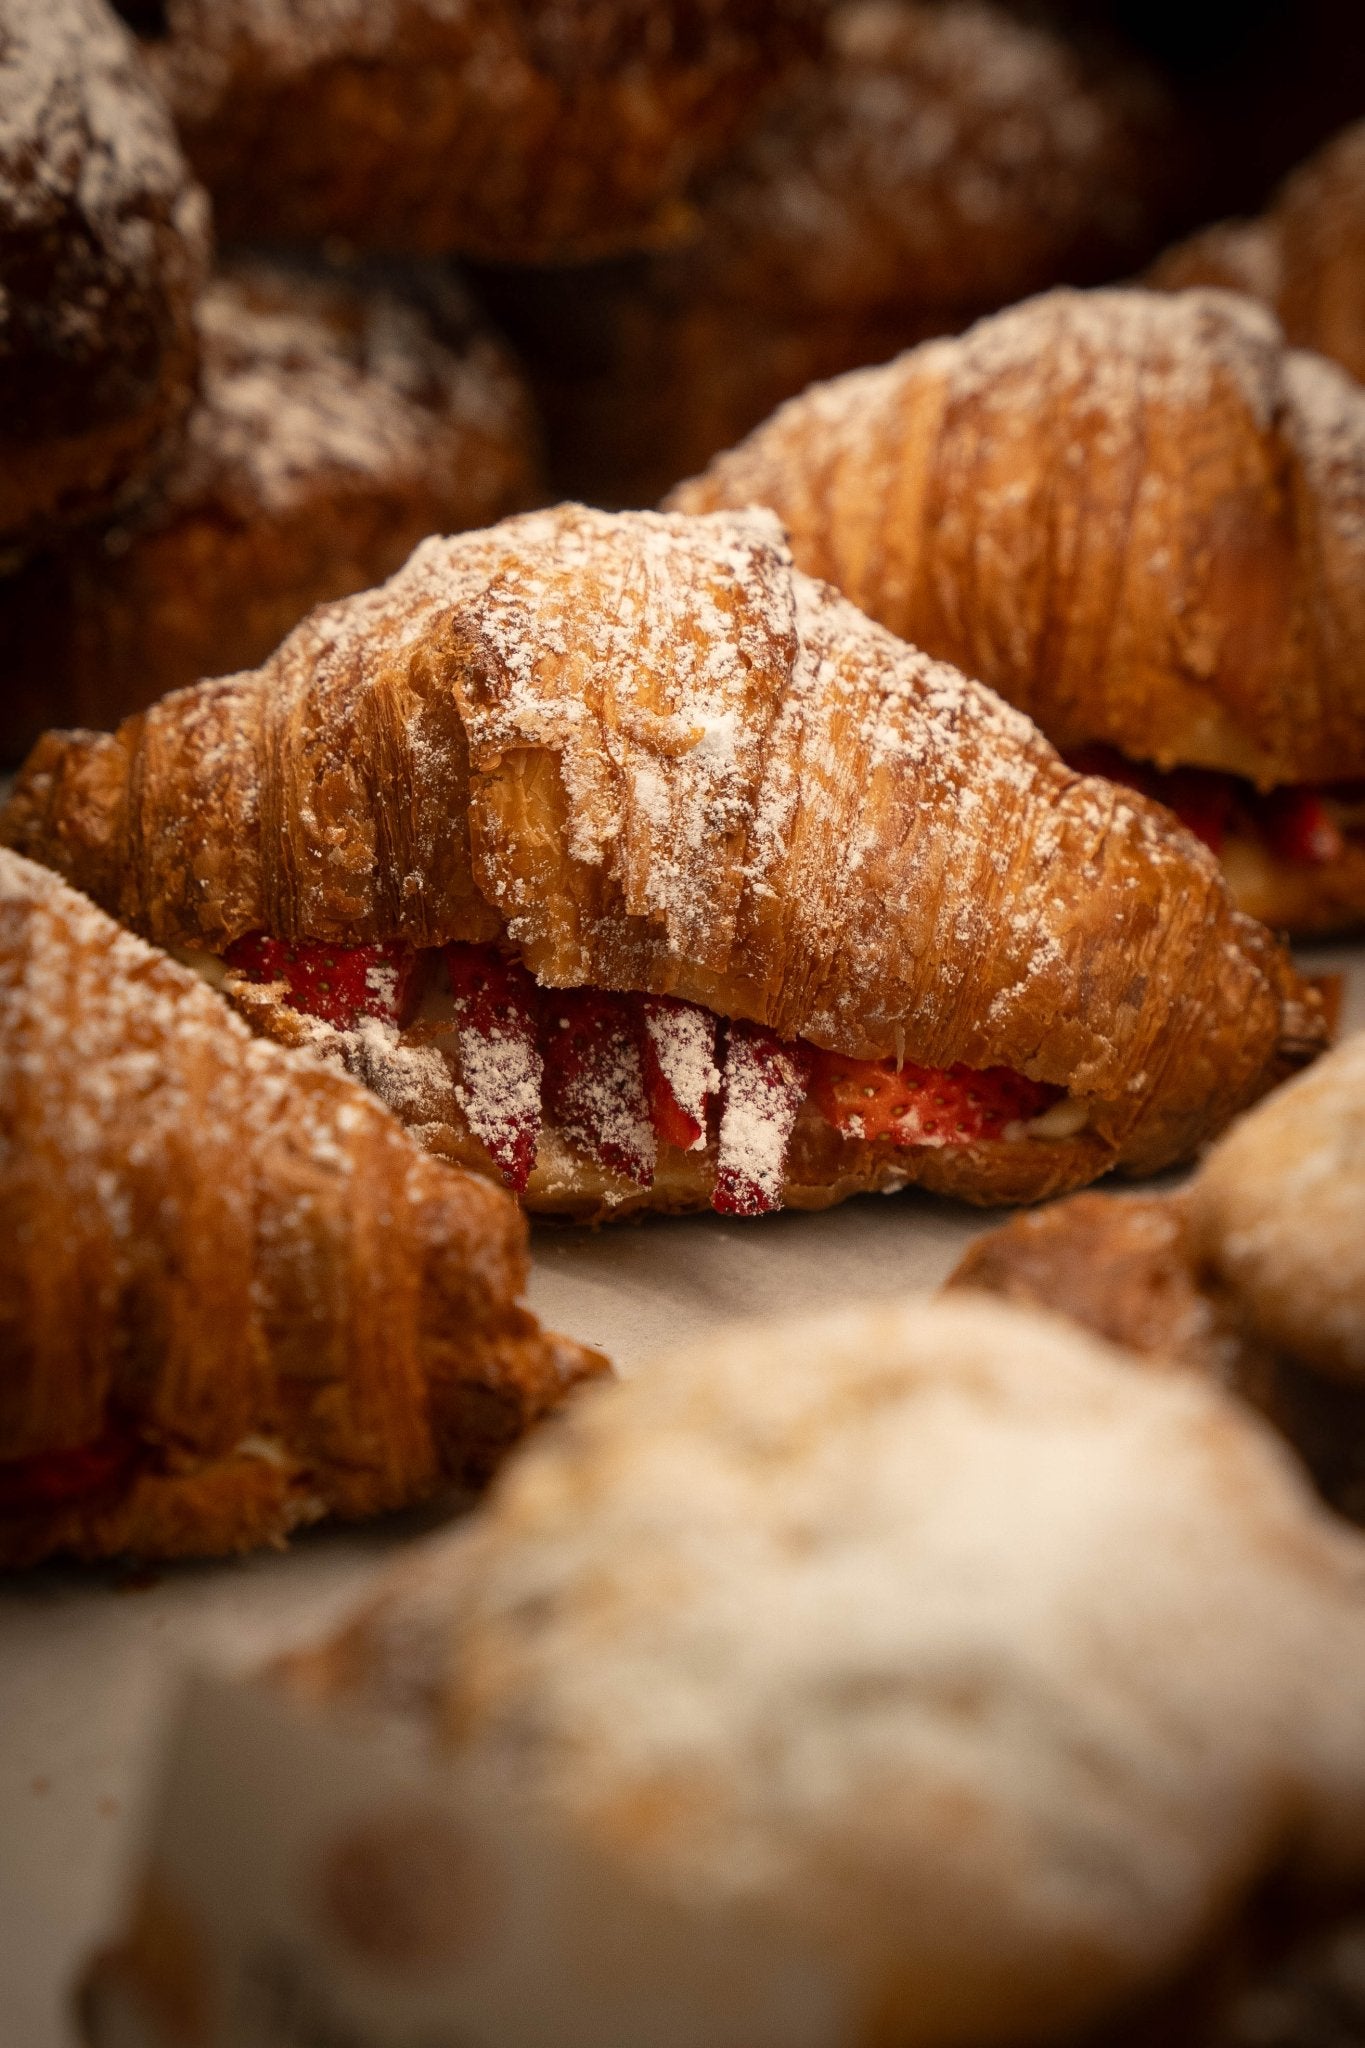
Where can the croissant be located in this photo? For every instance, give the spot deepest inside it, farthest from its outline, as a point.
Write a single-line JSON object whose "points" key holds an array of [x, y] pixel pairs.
{"points": [[1302, 257], [1142, 520], [941, 161], [1023, 1689], [630, 864], [531, 131], [104, 242], [335, 427], [1253, 1274], [234, 1296]]}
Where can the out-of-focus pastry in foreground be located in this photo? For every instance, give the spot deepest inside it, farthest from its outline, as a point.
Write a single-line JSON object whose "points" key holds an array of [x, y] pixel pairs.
{"points": [[1254, 1273], [104, 243], [234, 1296], [941, 161], [1304, 257], [1141, 519], [337, 425], [522, 130], [1002, 1682], [632, 866]]}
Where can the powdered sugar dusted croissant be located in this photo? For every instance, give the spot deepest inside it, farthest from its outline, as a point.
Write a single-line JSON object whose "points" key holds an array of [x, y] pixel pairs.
{"points": [[624, 860], [997, 1677], [1141, 519], [234, 1295]]}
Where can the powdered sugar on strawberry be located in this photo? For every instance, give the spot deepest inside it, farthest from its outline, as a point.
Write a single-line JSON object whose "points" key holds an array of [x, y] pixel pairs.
{"points": [[764, 1087]]}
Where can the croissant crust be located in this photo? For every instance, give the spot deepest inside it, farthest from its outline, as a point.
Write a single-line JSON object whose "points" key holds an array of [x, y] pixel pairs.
{"points": [[648, 755], [1185, 583], [229, 1282]]}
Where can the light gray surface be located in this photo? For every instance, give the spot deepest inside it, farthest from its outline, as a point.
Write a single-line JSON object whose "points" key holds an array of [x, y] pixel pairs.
{"points": [[85, 1667]]}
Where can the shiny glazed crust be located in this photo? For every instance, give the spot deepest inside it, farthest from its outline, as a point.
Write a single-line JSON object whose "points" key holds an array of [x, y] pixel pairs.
{"points": [[521, 130], [653, 757], [104, 242], [335, 427], [229, 1262], [1187, 585]]}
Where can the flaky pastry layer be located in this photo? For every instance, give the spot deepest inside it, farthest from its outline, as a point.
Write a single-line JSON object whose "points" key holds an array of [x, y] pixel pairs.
{"points": [[1140, 518], [234, 1296], [647, 754]]}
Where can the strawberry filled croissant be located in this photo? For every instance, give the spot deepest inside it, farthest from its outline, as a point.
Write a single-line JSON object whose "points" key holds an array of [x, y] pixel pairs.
{"points": [[234, 1295], [1142, 520], [634, 867]]}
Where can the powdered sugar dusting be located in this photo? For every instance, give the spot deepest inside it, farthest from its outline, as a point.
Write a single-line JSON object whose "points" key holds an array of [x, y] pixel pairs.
{"points": [[594, 1086], [652, 699], [1327, 425], [764, 1087], [82, 131], [683, 1036], [940, 157], [287, 37], [499, 1089], [306, 382]]}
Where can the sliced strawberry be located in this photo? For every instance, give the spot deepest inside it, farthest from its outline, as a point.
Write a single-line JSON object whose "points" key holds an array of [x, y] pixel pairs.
{"points": [[763, 1087], [678, 1058], [339, 984], [496, 1020], [594, 1087], [924, 1105], [53, 1479], [1299, 828]]}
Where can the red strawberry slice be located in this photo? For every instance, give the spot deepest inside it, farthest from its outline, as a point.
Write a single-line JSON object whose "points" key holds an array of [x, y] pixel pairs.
{"points": [[339, 984], [925, 1105], [764, 1085], [496, 1016], [1299, 827], [678, 1059], [55, 1478], [594, 1087]]}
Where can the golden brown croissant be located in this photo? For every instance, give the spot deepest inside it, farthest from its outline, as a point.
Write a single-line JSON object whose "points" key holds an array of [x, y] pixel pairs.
{"points": [[336, 427], [1142, 520], [234, 1296], [939, 162], [526, 130], [1304, 257], [1255, 1273], [602, 760]]}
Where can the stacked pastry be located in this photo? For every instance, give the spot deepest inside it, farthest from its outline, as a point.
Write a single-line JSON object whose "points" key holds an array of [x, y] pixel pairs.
{"points": [[394, 859], [334, 424]]}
